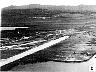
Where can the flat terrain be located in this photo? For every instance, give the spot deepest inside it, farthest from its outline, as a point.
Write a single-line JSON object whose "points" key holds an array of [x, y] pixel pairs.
{"points": [[46, 25], [51, 66]]}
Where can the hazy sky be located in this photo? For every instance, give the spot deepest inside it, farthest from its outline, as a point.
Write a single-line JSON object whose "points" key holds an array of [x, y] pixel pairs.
{"points": [[5, 3]]}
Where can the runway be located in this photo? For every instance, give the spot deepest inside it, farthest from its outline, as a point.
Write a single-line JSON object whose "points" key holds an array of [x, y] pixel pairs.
{"points": [[31, 51]]}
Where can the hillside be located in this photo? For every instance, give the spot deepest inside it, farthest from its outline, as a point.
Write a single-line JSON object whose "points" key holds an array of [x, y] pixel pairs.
{"points": [[53, 7], [43, 15]]}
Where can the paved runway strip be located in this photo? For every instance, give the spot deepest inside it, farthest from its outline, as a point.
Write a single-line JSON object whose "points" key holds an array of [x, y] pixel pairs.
{"points": [[31, 51]]}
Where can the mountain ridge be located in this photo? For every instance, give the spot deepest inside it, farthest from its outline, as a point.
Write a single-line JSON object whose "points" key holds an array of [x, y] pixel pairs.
{"points": [[54, 7]]}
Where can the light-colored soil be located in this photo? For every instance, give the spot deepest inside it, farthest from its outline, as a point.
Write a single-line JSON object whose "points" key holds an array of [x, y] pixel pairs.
{"points": [[59, 66]]}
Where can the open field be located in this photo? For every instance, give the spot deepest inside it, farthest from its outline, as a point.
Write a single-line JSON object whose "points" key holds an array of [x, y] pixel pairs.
{"points": [[51, 66], [45, 25]]}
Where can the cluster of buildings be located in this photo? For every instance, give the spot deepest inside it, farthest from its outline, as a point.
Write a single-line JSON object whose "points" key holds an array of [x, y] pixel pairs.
{"points": [[41, 17], [65, 32]]}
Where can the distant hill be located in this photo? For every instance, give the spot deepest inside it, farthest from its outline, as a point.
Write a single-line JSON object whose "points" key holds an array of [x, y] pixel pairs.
{"points": [[44, 15], [53, 7]]}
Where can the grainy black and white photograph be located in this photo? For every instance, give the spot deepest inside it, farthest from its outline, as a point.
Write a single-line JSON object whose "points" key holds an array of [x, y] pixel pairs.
{"points": [[48, 35]]}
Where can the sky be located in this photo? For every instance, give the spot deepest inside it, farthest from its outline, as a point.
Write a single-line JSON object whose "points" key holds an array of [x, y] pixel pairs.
{"points": [[5, 3]]}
